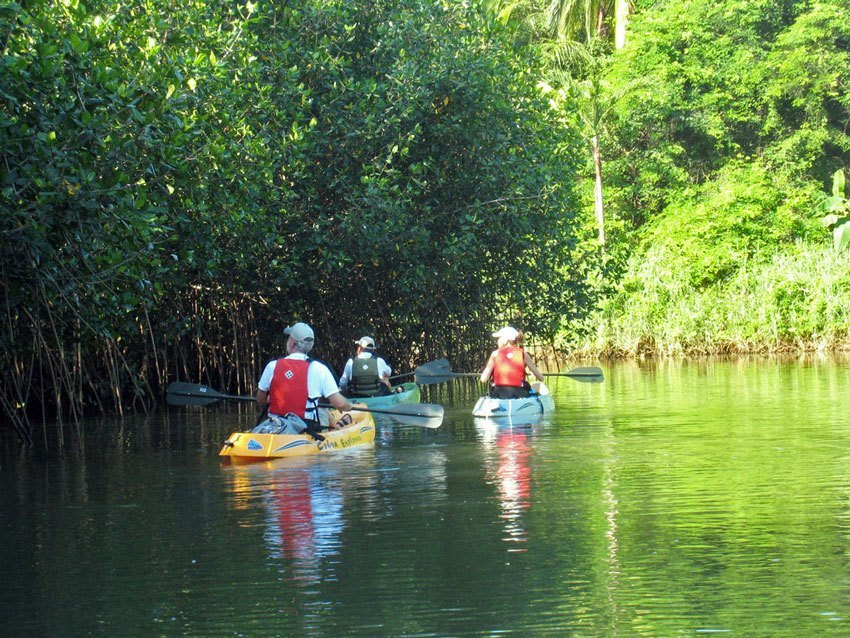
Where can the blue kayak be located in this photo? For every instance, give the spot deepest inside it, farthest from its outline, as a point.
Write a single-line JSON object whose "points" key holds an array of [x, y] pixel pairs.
{"points": [[538, 403]]}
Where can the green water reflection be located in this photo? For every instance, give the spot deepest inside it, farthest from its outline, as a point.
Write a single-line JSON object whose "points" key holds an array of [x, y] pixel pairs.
{"points": [[674, 499]]}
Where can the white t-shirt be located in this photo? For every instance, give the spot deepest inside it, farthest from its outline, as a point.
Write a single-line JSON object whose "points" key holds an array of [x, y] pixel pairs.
{"points": [[383, 368], [320, 380]]}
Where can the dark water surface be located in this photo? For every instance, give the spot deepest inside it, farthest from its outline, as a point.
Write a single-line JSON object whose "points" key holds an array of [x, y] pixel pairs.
{"points": [[675, 499]]}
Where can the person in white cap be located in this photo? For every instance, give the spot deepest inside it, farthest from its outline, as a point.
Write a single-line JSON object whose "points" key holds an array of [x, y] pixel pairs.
{"points": [[507, 366], [294, 384], [366, 374]]}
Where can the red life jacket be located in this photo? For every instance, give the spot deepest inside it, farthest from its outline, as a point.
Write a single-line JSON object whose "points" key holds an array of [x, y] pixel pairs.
{"points": [[509, 367], [288, 389]]}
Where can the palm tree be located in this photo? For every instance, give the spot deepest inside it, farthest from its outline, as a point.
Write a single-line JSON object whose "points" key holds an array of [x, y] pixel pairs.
{"points": [[573, 19], [573, 34], [577, 18], [595, 103]]}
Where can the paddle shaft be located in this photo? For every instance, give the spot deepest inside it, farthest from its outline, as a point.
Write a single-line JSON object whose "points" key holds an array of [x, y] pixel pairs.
{"points": [[191, 394], [411, 412], [578, 372], [573, 375], [440, 376]]}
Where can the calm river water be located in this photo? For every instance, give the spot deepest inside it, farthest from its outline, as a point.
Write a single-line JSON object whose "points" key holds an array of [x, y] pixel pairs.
{"points": [[674, 499]]}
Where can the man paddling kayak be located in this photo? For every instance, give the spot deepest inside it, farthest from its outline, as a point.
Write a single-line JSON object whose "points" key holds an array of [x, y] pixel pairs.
{"points": [[366, 374], [295, 384]]}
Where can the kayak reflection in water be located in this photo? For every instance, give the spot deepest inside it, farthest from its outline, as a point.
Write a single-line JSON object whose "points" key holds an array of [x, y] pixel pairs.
{"points": [[305, 520], [510, 472]]}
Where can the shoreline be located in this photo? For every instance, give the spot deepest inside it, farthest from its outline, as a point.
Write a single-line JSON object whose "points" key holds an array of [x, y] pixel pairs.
{"points": [[552, 357]]}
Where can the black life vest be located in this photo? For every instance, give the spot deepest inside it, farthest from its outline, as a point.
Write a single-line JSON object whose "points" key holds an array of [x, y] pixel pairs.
{"points": [[365, 381]]}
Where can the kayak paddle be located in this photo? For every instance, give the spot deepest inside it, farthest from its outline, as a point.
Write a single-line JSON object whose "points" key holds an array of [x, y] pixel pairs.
{"points": [[428, 415]]}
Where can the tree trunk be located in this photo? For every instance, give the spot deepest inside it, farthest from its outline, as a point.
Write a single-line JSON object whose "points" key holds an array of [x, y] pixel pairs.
{"points": [[597, 190], [621, 19]]}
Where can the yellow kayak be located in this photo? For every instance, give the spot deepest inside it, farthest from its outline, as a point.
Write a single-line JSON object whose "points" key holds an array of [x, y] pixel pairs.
{"points": [[250, 446]]}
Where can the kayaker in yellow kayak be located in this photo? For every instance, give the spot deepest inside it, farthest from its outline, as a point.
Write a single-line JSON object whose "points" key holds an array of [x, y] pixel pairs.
{"points": [[507, 366], [295, 384], [366, 374]]}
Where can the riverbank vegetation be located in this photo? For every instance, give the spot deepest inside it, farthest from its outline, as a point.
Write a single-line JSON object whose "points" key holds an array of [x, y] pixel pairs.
{"points": [[729, 132], [181, 181]]}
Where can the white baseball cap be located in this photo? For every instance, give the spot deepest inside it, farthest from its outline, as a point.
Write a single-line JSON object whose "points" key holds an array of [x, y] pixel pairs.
{"points": [[506, 333], [300, 332], [366, 342]]}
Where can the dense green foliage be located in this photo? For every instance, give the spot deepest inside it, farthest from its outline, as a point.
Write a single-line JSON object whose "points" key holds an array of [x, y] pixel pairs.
{"points": [[732, 121], [180, 180], [712, 83]]}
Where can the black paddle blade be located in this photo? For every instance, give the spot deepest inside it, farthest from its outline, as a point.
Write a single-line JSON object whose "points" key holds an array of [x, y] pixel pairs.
{"points": [[180, 393], [430, 379], [585, 375], [439, 364], [433, 367], [176, 399], [584, 372], [438, 371]]}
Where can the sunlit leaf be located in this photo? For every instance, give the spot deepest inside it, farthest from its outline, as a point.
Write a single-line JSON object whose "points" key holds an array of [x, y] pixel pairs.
{"points": [[838, 183], [841, 236]]}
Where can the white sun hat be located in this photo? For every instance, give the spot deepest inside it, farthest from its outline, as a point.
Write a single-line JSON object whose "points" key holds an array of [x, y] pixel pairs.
{"points": [[366, 342], [506, 333]]}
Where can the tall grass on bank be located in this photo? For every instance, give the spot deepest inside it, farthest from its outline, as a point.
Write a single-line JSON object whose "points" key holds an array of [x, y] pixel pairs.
{"points": [[798, 299]]}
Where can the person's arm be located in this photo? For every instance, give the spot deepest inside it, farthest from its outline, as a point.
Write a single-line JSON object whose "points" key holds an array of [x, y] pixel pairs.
{"points": [[346, 374], [384, 372], [488, 369], [530, 365], [340, 402], [264, 384], [329, 388]]}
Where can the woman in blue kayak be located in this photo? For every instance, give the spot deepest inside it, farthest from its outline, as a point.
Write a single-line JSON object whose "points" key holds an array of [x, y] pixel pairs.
{"points": [[507, 365]]}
